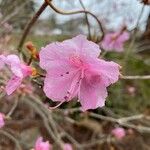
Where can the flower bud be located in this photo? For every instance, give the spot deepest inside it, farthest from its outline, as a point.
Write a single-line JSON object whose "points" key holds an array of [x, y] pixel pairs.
{"points": [[29, 45]]}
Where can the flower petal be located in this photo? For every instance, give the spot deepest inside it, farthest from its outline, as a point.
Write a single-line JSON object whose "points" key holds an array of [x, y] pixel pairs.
{"points": [[92, 92], [15, 64], [86, 47], [54, 52], [108, 70], [62, 51], [11, 59], [13, 84], [61, 88]]}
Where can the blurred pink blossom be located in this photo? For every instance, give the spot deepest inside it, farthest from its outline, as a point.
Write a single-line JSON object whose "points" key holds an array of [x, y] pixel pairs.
{"points": [[2, 122], [73, 69], [115, 41], [68, 146], [41, 145], [131, 90], [118, 132], [19, 70]]}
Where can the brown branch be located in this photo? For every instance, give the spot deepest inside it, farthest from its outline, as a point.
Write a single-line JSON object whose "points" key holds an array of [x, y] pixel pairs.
{"points": [[30, 24], [86, 18], [146, 77], [32, 104], [75, 12], [12, 138]]}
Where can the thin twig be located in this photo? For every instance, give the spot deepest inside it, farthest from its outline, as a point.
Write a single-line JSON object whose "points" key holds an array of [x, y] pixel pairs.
{"points": [[86, 18], [13, 108], [30, 24], [16, 11], [37, 109], [76, 12], [121, 122], [136, 77], [11, 137]]}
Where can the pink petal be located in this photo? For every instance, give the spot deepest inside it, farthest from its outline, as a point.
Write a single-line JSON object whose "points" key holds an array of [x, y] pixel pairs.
{"points": [[13, 84], [107, 42], [124, 37], [68, 146], [118, 46], [109, 71], [40, 145], [57, 87], [17, 70], [64, 50], [12, 59], [15, 64], [119, 132], [2, 122], [55, 52], [92, 92], [85, 47]]}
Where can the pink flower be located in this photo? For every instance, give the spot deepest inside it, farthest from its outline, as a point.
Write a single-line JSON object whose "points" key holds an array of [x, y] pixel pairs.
{"points": [[40, 145], [115, 41], [2, 122], [19, 70], [67, 146], [73, 69], [119, 132]]}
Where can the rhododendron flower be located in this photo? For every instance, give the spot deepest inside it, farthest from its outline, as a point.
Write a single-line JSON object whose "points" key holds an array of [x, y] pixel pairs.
{"points": [[2, 122], [41, 145], [119, 132], [115, 41], [19, 70], [67, 146], [73, 69]]}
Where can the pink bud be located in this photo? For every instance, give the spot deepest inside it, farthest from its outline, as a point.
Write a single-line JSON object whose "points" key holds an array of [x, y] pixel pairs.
{"points": [[2, 122], [119, 132], [41, 145]]}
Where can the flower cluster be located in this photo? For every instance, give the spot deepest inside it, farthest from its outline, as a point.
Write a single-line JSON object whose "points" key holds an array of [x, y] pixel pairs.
{"points": [[19, 71], [115, 41], [73, 70]]}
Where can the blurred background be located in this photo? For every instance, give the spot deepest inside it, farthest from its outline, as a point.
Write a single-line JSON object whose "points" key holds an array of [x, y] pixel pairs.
{"points": [[126, 98]]}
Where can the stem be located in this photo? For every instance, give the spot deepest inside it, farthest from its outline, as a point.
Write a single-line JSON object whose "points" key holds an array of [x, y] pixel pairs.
{"points": [[76, 12], [11, 137], [86, 18], [30, 24], [136, 77]]}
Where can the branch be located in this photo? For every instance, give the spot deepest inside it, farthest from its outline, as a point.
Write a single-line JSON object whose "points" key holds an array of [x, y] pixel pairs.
{"points": [[11, 137], [76, 12], [30, 24], [136, 77], [45, 120], [86, 18]]}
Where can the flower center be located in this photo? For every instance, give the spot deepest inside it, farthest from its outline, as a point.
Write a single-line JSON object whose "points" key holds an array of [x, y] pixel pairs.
{"points": [[76, 61]]}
